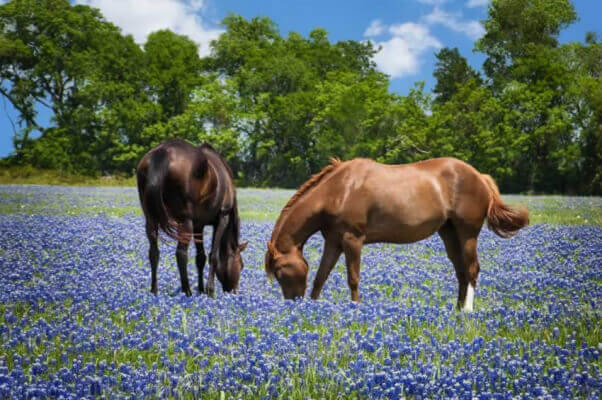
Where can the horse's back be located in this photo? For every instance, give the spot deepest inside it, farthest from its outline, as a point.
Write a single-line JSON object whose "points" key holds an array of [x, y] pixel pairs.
{"points": [[183, 157], [185, 167], [408, 202]]}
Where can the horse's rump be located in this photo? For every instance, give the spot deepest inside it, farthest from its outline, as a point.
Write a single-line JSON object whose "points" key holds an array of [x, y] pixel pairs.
{"points": [[151, 183], [155, 182]]}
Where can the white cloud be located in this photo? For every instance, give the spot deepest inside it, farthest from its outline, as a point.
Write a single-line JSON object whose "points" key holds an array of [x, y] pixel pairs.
{"points": [[376, 28], [477, 3], [197, 4], [400, 55], [141, 17], [473, 29], [417, 34]]}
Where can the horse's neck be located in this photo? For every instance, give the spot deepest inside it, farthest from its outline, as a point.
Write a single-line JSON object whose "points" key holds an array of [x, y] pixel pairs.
{"points": [[300, 222]]}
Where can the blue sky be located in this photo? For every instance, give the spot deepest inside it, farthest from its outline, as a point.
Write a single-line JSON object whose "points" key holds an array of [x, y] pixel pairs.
{"points": [[409, 31]]}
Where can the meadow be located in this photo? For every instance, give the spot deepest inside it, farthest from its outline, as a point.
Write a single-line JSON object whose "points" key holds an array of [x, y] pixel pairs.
{"points": [[77, 318]]}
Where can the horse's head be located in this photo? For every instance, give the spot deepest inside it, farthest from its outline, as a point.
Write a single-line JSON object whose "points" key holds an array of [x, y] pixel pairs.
{"points": [[290, 270], [231, 275]]}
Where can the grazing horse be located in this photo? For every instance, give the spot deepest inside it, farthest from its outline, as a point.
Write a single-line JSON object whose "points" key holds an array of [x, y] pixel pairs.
{"points": [[182, 188], [361, 201]]}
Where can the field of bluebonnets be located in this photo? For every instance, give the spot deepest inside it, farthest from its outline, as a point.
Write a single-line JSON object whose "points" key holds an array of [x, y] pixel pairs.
{"points": [[77, 318]]}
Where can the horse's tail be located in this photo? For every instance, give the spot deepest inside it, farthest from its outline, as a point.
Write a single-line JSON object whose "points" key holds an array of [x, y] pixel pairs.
{"points": [[152, 195], [502, 219]]}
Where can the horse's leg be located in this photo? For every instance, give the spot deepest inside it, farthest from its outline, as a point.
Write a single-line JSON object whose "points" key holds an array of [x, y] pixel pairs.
{"points": [[454, 253], [200, 255], [461, 245], [214, 257], [352, 246], [468, 243], [332, 251], [152, 233], [182, 255]]}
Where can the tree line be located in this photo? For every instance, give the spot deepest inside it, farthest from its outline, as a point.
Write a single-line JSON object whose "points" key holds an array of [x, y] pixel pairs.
{"points": [[279, 107]]}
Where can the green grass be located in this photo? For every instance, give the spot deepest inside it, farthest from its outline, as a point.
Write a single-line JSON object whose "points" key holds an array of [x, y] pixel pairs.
{"points": [[260, 205], [305, 384], [254, 206], [27, 175], [549, 210]]}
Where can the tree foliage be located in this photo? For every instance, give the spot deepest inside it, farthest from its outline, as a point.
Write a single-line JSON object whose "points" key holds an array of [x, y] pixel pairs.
{"points": [[174, 69], [451, 71], [70, 60], [279, 107], [518, 29]]}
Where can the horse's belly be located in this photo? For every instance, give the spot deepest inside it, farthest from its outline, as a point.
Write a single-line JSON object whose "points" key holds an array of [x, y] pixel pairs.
{"points": [[405, 220], [394, 230]]}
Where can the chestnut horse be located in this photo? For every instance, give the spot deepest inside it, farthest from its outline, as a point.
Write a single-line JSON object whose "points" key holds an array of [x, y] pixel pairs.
{"points": [[182, 188], [361, 201]]}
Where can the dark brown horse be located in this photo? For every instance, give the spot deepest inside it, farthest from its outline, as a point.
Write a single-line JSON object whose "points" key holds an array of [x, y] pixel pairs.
{"points": [[182, 188], [361, 201]]}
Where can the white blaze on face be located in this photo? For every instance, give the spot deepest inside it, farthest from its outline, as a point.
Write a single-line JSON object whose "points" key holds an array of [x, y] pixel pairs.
{"points": [[469, 298]]}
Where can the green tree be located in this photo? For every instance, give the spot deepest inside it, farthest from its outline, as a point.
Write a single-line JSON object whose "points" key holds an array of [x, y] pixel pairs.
{"points": [[214, 116], [517, 29], [470, 126], [584, 94], [451, 71], [174, 69], [44, 55], [277, 108], [531, 79], [280, 83], [409, 140], [352, 117], [69, 59]]}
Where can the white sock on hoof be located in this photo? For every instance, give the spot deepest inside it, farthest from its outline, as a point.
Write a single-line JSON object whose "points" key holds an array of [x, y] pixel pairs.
{"points": [[469, 298]]}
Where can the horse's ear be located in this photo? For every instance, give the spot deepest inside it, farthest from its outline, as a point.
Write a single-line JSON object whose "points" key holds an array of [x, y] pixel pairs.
{"points": [[272, 250], [242, 247]]}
